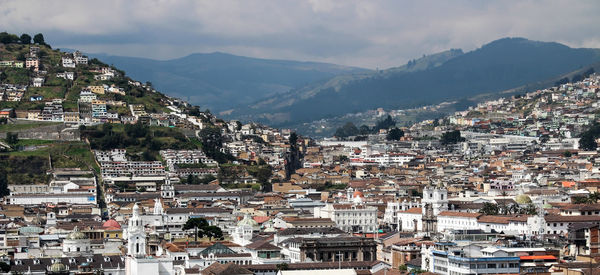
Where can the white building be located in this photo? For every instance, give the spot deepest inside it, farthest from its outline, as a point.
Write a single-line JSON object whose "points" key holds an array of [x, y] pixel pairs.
{"points": [[350, 217], [449, 258], [136, 261], [68, 62]]}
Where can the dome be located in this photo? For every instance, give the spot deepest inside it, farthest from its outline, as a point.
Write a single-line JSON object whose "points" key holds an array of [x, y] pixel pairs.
{"points": [[57, 267], [358, 194], [523, 199], [247, 220], [76, 235], [111, 224]]}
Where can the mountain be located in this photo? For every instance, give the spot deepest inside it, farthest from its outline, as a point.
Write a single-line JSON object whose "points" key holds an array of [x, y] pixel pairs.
{"points": [[220, 81], [501, 65]]}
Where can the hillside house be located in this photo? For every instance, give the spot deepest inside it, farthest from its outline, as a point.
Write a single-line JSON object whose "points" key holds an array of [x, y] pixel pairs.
{"points": [[32, 62], [66, 75], [36, 98], [68, 62], [37, 82]]}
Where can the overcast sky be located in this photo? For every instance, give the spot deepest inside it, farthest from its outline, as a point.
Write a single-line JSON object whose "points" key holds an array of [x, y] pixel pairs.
{"points": [[371, 34]]}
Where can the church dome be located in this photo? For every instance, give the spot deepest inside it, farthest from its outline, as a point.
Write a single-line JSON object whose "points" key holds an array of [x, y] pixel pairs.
{"points": [[523, 199], [111, 224], [76, 235], [57, 267], [358, 194], [247, 220]]}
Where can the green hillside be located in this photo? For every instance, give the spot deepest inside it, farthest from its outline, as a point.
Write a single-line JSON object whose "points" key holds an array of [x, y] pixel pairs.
{"points": [[68, 90]]}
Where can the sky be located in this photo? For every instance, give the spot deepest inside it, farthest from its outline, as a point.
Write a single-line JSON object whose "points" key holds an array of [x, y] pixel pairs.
{"points": [[369, 34]]}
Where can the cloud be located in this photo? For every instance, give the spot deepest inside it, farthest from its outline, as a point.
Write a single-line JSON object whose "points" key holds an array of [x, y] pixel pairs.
{"points": [[361, 33]]}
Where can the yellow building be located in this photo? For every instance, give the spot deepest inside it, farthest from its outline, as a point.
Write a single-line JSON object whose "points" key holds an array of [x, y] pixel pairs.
{"points": [[97, 89], [112, 230]]}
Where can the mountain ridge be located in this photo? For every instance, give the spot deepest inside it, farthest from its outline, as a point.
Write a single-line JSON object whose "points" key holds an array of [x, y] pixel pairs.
{"points": [[221, 80], [494, 67]]}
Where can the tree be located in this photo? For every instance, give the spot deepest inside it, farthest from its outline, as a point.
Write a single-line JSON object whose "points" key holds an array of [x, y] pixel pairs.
{"points": [[212, 142], [395, 134], [202, 228], [198, 224], [25, 39], [4, 183], [452, 137], [530, 209], [292, 157], [7, 38], [587, 139], [349, 129], [39, 39], [590, 199], [213, 232], [12, 138], [489, 209], [364, 130], [293, 139], [387, 123], [4, 267]]}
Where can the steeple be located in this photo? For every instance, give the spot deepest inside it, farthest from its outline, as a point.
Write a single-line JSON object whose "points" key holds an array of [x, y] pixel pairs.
{"points": [[158, 209], [136, 236], [167, 191]]}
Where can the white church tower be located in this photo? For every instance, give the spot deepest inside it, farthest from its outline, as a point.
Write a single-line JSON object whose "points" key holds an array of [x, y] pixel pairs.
{"points": [[437, 197], [136, 237], [167, 190], [136, 261], [158, 208]]}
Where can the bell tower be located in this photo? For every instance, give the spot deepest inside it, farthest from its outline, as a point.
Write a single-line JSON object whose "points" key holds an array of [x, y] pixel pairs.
{"points": [[167, 191], [136, 237]]}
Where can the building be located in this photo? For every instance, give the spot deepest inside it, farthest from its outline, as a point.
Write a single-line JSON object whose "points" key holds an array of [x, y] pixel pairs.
{"points": [[37, 82], [99, 109], [96, 89], [336, 249], [136, 261], [32, 62], [448, 258], [68, 62], [87, 96]]}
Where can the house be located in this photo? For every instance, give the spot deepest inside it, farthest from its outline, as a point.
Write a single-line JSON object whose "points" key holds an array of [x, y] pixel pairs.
{"points": [[36, 98], [86, 96], [79, 58], [98, 109], [33, 114], [71, 117], [96, 89], [38, 81], [5, 113], [66, 75], [32, 62], [68, 62], [103, 77]]}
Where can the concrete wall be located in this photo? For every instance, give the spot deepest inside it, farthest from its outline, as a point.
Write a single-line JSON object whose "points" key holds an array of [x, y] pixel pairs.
{"points": [[50, 132]]}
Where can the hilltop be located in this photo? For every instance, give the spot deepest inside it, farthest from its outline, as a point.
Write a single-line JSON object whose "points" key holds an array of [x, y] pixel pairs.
{"points": [[57, 85]]}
